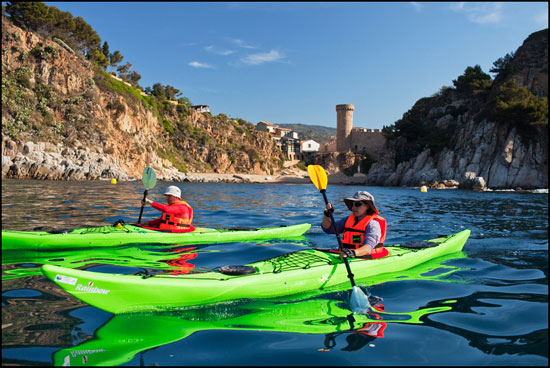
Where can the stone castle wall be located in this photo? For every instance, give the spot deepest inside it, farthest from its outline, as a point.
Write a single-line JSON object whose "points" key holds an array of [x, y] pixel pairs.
{"points": [[358, 140], [369, 141]]}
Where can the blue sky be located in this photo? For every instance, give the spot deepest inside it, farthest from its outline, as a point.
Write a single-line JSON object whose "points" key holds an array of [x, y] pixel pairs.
{"points": [[292, 62]]}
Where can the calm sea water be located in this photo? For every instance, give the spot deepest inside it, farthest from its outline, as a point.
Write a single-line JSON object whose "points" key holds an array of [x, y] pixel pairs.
{"points": [[485, 306]]}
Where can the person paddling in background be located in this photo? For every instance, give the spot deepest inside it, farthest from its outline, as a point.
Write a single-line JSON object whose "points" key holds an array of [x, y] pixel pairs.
{"points": [[177, 215], [364, 231]]}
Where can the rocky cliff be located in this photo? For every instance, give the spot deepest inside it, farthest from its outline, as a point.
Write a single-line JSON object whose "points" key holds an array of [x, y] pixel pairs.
{"points": [[483, 149], [63, 119]]}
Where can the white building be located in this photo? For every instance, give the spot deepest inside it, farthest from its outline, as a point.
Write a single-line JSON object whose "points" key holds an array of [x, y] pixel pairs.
{"points": [[266, 126], [309, 146]]}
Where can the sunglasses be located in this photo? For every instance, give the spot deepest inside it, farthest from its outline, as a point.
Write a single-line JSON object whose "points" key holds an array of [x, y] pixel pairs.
{"points": [[357, 204]]}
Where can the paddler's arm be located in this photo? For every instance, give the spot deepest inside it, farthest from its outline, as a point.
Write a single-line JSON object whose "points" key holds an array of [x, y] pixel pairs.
{"points": [[325, 224], [157, 206]]}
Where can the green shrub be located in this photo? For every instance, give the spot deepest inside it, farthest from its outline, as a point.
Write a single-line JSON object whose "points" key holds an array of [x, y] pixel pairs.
{"points": [[167, 126], [43, 53], [253, 154], [517, 106], [106, 82], [22, 76], [473, 81]]}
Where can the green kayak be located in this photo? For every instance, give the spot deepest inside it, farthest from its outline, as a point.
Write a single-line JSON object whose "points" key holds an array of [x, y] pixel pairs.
{"points": [[109, 236], [292, 273]]}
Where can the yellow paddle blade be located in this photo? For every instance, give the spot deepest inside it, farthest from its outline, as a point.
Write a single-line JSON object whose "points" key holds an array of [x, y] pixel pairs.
{"points": [[318, 176]]}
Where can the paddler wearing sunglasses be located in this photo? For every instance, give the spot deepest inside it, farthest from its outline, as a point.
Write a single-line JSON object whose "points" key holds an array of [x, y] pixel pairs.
{"points": [[364, 231]]}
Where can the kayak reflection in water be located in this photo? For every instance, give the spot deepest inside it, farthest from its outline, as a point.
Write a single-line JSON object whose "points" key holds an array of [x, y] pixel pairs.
{"points": [[183, 267], [359, 338], [361, 235], [177, 215]]}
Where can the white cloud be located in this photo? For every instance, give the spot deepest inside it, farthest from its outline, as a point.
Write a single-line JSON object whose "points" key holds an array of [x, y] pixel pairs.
{"points": [[240, 43], [482, 13], [417, 6], [218, 51], [196, 64], [260, 58]]}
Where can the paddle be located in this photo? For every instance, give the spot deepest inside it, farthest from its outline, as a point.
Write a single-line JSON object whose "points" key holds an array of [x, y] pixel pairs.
{"points": [[359, 302], [149, 179]]}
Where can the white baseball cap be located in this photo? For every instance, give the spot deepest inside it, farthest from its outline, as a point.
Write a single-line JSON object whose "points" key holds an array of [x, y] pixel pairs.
{"points": [[173, 190]]}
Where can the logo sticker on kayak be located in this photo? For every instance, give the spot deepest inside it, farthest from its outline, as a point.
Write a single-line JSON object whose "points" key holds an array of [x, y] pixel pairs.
{"points": [[66, 279], [91, 289]]}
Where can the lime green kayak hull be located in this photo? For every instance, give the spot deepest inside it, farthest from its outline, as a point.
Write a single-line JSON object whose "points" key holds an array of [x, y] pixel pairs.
{"points": [[293, 273], [109, 236]]}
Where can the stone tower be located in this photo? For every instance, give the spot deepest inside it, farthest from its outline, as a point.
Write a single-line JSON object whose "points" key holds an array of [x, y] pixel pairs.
{"points": [[344, 123]]}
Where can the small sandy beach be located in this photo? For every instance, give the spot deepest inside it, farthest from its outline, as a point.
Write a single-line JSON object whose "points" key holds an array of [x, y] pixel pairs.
{"points": [[285, 177]]}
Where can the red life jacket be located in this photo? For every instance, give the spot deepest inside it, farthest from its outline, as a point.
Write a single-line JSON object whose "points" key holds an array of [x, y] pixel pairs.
{"points": [[181, 264], [172, 222], [354, 234], [374, 329]]}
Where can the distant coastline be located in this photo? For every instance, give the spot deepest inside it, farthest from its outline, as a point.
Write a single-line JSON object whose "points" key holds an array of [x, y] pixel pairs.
{"points": [[295, 177]]}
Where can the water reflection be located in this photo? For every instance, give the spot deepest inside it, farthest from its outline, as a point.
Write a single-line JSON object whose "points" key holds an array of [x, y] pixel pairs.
{"points": [[17, 263], [124, 336]]}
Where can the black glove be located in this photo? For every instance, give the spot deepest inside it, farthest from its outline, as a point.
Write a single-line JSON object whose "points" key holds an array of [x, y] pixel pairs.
{"points": [[350, 253], [328, 212]]}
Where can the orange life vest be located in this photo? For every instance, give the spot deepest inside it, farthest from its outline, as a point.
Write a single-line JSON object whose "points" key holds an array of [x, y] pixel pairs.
{"points": [[374, 329], [171, 222], [354, 234]]}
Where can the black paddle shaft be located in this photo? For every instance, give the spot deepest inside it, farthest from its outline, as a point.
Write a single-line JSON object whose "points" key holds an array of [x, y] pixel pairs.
{"points": [[141, 211], [333, 223]]}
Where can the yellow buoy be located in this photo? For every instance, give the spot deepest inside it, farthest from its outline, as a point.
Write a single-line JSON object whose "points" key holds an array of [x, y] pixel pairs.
{"points": [[113, 181], [423, 189]]}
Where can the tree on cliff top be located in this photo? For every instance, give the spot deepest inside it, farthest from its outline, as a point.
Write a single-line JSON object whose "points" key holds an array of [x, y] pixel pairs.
{"points": [[115, 58], [517, 106], [473, 81], [30, 15], [165, 92], [50, 21], [502, 65]]}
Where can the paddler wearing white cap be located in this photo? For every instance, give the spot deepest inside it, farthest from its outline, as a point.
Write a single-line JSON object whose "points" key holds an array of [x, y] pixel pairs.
{"points": [[177, 215]]}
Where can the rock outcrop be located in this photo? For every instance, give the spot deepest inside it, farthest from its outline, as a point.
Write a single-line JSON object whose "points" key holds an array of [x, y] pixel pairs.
{"points": [[64, 120], [482, 153]]}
